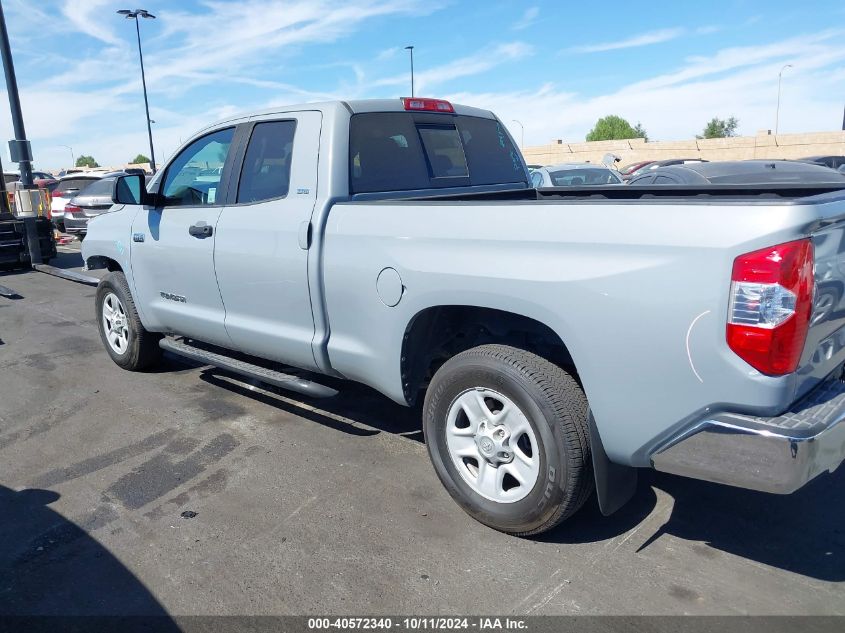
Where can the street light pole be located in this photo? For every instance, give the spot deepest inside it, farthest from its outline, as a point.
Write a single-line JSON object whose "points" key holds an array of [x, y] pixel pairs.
{"points": [[522, 134], [20, 148], [411, 48], [130, 15], [777, 111], [72, 157]]}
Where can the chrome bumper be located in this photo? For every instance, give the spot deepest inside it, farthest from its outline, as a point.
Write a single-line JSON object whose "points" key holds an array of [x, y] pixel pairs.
{"points": [[777, 455]]}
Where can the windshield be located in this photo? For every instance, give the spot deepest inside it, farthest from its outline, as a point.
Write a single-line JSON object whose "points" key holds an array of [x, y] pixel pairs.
{"points": [[586, 176], [402, 151]]}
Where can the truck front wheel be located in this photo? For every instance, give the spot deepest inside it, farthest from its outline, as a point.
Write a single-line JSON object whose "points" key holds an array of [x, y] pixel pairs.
{"points": [[125, 339], [508, 436]]}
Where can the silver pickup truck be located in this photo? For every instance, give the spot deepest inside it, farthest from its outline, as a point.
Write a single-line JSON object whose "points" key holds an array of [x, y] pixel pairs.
{"points": [[561, 339]]}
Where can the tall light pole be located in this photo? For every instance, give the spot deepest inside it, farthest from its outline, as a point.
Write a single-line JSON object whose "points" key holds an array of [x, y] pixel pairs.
{"points": [[411, 48], [777, 111], [72, 158], [19, 148], [522, 135], [134, 15]]}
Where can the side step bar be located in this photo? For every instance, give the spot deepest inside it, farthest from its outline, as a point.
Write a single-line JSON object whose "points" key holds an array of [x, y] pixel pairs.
{"points": [[5, 291], [271, 377], [71, 275]]}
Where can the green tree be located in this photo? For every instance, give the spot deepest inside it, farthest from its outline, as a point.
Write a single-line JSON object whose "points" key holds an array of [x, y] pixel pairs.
{"points": [[612, 128], [720, 128], [640, 131], [140, 158], [86, 161]]}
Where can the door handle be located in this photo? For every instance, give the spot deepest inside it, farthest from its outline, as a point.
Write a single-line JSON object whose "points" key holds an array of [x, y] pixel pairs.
{"points": [[201, 230]]}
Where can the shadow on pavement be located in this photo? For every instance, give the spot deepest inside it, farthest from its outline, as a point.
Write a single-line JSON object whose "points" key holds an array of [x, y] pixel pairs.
{"points": [[50, 566], [803, 532], [355, 404]]}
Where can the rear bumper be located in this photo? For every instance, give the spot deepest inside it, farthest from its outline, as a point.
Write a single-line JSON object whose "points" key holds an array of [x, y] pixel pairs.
{"points": [[75, 225], [777, 455]]}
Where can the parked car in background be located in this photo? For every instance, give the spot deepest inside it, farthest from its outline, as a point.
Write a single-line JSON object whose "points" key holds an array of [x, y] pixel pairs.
{"points": [[630, 168], [574, 175], [92, 201], [65, 189], [834, 162], [656, 164], [739, 172]]}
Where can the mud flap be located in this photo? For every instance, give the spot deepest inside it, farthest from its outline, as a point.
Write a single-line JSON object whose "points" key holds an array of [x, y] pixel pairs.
{"points": [[615, 484]]}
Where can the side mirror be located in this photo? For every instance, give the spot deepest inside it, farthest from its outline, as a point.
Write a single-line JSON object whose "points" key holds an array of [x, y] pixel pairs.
{"points": [[130, 189]]}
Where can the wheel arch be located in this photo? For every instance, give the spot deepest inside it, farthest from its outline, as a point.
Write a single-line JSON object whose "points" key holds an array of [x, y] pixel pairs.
{"points": [[436, 333], [100, 262]]}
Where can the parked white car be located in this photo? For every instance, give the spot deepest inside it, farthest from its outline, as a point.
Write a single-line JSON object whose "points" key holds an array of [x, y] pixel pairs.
{"points": [[574, 175], [67, 187]]}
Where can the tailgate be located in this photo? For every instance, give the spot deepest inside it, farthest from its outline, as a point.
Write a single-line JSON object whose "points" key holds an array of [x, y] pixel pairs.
{"points": [[824, 350]]}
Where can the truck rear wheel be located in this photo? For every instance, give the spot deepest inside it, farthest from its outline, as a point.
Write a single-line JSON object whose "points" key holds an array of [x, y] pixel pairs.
{"points": [[508, 436], [125, 339]]}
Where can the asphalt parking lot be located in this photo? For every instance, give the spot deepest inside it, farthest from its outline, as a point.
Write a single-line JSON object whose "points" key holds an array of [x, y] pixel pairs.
{"points": [[187, 491]]}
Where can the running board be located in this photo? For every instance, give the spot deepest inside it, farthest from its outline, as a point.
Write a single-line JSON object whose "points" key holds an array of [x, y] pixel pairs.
{"points": [[270, 376], [66, 274], [8, 292]]}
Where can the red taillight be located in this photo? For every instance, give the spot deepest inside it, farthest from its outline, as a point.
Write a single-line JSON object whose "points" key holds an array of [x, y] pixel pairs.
{"points": [[58, 194], [770, 306], [72, 208], [427, 105]]}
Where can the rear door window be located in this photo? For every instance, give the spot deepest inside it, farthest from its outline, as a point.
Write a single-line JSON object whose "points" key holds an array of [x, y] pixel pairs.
{"points": [[399, 151], [266, 170]]}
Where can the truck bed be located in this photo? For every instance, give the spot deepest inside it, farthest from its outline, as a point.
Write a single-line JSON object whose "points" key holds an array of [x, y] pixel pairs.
{"points": [[745, 193]]}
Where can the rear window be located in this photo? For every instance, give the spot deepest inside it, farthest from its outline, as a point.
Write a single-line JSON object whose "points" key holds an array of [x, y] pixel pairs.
{"points": [[101, 187], [397, 151], [74, 184]]}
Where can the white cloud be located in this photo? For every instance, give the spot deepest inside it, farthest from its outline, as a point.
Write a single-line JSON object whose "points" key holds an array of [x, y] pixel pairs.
{"points": [[92, 17], [387, 53], [465, 66], [738, 82], [643, 39], [528, 18]]}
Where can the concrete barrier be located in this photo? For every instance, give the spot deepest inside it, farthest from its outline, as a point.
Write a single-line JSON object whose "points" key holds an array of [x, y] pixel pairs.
{"points": [[763, 145]]}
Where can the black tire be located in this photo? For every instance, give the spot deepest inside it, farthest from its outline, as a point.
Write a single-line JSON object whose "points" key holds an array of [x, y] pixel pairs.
{"points": [[142, 350], [556, 408], [80, 236]]}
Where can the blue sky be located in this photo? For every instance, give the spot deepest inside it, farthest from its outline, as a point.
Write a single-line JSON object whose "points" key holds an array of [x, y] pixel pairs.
{"points": [[554, 66]]}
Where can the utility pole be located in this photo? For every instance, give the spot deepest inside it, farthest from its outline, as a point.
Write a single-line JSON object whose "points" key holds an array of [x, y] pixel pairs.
{"points": [[411, 48], [19, 148]]}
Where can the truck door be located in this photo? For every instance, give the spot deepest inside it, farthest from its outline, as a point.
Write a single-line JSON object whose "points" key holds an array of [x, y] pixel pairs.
{"points": [[172, 251], [261, 250]]}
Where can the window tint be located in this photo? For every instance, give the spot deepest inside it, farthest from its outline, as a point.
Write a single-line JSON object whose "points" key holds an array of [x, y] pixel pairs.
{"points": [[193, 177], [396, 151], [266, 170], [74, 184]]}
